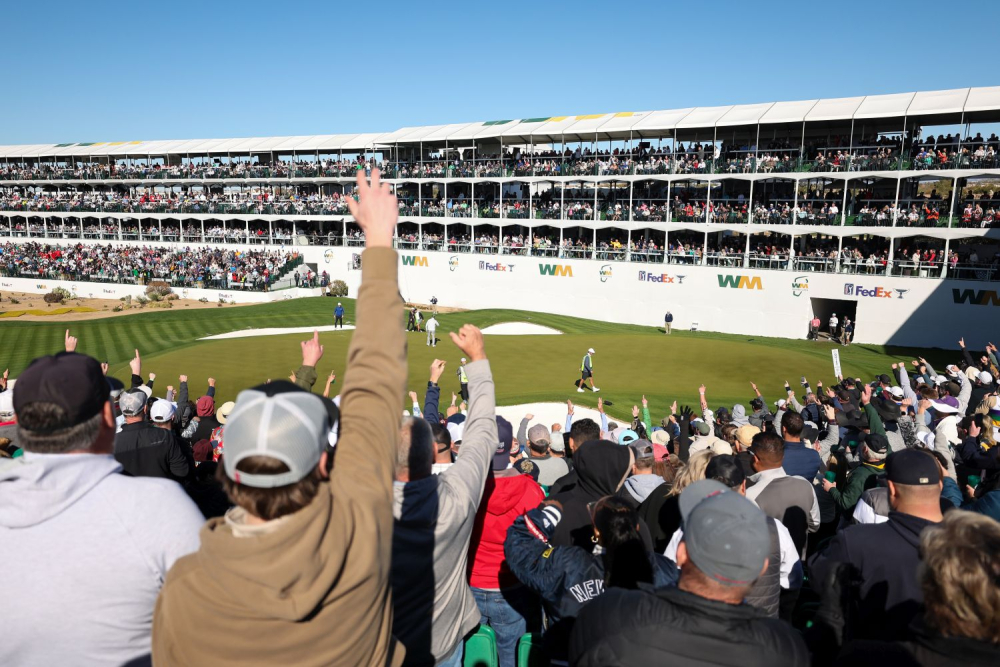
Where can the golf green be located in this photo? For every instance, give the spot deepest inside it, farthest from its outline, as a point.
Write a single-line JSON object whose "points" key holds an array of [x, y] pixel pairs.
{"points": [[630, 360]]}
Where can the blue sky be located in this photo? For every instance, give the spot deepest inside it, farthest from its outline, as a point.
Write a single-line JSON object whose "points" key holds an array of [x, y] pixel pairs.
{"points": [[125, 71]]}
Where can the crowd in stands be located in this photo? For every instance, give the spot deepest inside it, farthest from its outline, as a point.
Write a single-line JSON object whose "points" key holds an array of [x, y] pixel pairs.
{"points": [[851, 523], [213, 268], [245, 203], [835, 153]]}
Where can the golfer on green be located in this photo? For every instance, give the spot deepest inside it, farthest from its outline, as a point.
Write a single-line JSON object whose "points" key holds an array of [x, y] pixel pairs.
{"points": [[587, 372]]}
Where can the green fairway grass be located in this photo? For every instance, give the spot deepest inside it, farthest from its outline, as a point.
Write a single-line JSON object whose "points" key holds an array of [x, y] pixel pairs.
{"points": [[630, 360]]}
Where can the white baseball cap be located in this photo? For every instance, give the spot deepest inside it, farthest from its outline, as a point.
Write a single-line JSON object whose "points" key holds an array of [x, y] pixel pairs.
{"points": [[591, 351], [896, 391], [985, 377], [780, 402], [162, 412], [463, 360]]}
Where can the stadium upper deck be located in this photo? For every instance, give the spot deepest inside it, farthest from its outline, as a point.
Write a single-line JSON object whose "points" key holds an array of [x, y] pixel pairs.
{"points": [[890, 172]]}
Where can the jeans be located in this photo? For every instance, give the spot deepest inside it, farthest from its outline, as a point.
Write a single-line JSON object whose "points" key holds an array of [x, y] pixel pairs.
{"points": [[510, 612], [456, 657]]}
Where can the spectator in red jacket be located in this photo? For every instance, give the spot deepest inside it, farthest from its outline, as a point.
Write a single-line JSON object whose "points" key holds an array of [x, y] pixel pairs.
{"points": [[506, 605]]}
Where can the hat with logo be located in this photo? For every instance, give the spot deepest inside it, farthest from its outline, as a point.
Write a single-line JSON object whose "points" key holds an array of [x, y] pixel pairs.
{"points": [[527, 467], [132, 402], [539, 435], [726, 535], [6, 406], [505, 444], [914, 467], [74, 382], [278, 420], [162, 412]]}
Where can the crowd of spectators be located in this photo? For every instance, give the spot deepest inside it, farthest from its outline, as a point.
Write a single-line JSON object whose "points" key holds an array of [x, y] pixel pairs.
{"points": [[213, 268], [856, 523]]}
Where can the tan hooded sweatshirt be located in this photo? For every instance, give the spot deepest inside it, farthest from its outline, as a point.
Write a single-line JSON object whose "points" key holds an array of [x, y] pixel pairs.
{"points": [[315, 590]]}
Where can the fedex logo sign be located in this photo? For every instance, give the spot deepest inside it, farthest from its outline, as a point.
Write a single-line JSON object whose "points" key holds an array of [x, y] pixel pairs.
{"points": [[860, 291], [486, 266], [645, 277]]}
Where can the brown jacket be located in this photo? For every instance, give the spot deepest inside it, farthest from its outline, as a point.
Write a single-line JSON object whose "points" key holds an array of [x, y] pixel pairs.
{"points": [[315, 591]]}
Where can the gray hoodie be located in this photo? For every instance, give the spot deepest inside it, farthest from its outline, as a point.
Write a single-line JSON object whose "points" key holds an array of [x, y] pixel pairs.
{"points": [[433, 607], [640, 486], [85, 551]]}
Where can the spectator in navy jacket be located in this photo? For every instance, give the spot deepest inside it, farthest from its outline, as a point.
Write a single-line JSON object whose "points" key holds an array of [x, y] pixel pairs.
{"points": [[799, 460]]}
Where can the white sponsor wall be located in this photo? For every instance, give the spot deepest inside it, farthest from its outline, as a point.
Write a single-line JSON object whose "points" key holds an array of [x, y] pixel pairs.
{"points": [[897, 311], [115, 291]]}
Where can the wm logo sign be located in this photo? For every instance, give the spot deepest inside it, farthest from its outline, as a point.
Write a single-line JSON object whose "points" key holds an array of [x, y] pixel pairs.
{"points": [[414, 260], [976, 297], [556, 270], [740, 282]]}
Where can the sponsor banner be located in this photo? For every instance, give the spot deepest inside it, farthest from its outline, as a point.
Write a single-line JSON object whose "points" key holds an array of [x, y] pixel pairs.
{"points": [[976, 297], [414, 260], [328, 255], [837, 372], [873, 292], [665, 278], [496, 266], [605, 273], [740, 282], [800, 284], [561, 270], [453, 262]]}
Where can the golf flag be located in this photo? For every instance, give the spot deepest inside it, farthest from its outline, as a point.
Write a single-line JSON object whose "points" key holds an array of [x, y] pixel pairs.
{"points": [[836, 363]]}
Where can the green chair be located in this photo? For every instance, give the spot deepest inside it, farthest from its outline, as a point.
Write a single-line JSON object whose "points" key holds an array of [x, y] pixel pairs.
{"points": [[481, 648], [531, 652]]}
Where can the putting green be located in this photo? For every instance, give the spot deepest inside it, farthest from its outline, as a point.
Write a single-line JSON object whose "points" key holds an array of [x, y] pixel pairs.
{"points": [[630, 360]]}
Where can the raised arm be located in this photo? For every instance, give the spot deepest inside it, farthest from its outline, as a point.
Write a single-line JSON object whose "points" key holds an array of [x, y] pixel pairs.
{"points": [[432, 399], [375, 380], [480, 437]]}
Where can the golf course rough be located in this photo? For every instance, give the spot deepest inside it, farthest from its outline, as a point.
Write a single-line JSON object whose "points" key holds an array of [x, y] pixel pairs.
{"points": [[631, 360]]}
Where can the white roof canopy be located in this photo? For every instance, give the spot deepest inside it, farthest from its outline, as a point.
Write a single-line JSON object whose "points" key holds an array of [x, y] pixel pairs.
{"points": [[552, 128]]}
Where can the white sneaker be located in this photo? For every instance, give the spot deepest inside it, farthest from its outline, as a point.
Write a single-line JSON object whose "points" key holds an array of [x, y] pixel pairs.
{"points": [[579, 390], [597, 389]]}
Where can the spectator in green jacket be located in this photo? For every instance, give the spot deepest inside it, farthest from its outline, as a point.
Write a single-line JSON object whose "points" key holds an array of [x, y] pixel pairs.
{"points": [[874, 450]]}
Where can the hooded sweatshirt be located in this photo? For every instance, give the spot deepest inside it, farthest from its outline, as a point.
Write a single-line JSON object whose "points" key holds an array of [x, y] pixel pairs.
{"points": [[86, 550], [601, 467], [740, 416], [433, 608], [638, 487], [314, 590], [207, 422], [505, 499]]}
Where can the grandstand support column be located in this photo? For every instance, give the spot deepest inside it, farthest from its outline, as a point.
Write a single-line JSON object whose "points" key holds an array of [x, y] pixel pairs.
{"points": [[840, 250], [247, 237], [746, 253], [888, 262], [753, 181], [709, 217], [531, 240], [561, 235], [944, 260], [951, 208], [270, 231], [670, 206], [850, 150], [704, 249], [896, 201], [795, 202]]}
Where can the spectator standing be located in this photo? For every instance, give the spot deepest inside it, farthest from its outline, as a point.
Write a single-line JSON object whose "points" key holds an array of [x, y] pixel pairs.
{"points": [[86, 548], [539, 442], [834, 322], [703, 619], [668, 322], [338, 316], [798, 459], [643, 481], [504, 603], [145, 450], [431, 327], [463, 379], [433, 608], [305, 549], [886, 555]]}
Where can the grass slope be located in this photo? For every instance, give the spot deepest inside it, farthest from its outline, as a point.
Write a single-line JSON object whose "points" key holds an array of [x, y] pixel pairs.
{"points": [[630, 359]]}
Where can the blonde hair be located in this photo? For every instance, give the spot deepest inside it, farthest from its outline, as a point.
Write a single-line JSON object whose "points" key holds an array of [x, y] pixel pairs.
{"points": [[692, 472], [959, 572]]}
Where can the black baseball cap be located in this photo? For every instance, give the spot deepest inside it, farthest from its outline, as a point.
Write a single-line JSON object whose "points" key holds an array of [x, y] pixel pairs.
{"points": [[913, 467], [884, 379], [505, 443], [877, 442], [74, 382]]}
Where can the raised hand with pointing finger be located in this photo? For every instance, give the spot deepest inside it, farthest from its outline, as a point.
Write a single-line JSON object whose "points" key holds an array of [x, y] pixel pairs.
{"points": [[70, 342]]}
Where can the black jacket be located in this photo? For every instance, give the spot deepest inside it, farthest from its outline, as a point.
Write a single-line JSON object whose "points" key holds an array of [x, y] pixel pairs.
{"points": [[923, 648], [672, 627], [147, 451], [886, 556], [601, 468], [661, 512], [565, 578]]}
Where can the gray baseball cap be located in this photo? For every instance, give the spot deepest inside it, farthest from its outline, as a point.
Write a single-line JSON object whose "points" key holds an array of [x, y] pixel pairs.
{"points": [[281, 421], [725, 534], [538, 434], [132, 402]]}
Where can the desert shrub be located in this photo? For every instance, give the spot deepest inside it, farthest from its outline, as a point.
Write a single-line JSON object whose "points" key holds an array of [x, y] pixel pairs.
{"points": [[53, 297], [159, 289], [338, 288], [203, 299], [141, 300], [14, 301], [119, 308], [171, 297]]}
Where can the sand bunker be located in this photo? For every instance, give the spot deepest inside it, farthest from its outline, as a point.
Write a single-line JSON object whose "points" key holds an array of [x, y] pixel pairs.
{"points": [[249, 333], [520, 329]]}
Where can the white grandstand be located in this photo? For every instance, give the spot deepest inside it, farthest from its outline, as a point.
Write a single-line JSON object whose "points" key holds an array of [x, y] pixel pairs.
{"points": [[747, 218]]}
